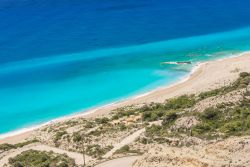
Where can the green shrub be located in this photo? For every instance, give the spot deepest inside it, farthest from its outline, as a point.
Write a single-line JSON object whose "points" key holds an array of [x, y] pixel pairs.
{"points": [[122, 126], [244, 74], [180, 102], [201, 128], [115, 117], [89, 124], [126, 149], [232, 127], [146, 116], [95, 132], [245, 112], [245, 103], [6, 147], [169, 118], [35, 158], [124, 112], [77, 137], [210, 93], [153, 130], [103, 120], [230, 121], [97, 151], [152, 115], [59, 135], [210, 113], [25, 143], [248, 122]]}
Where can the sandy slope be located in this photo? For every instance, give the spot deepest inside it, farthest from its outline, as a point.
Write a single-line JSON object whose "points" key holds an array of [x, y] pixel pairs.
{"points": [[232, 152]]}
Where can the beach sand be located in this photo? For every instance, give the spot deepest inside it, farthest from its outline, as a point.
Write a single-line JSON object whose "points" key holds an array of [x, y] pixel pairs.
{"points": [[206, 76]]}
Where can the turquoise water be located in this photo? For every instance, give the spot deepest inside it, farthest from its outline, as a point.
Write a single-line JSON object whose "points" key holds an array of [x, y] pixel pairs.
{"points": [[62, 57], [91, 80]]}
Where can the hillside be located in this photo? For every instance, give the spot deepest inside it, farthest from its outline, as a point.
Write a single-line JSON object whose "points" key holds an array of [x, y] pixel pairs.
{"points": [[211, 128]]}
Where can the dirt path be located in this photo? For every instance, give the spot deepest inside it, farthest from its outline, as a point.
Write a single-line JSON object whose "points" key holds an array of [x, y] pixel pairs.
{"points": [[121, 162], [40, 147], [124, 142]]}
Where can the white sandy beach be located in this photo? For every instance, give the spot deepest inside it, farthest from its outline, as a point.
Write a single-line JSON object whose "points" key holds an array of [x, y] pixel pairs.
{"points": [[207, 76]]}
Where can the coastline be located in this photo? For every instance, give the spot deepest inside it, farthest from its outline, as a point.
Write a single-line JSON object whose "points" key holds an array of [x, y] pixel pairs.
{"points": [[89, 112], [186, 85]]}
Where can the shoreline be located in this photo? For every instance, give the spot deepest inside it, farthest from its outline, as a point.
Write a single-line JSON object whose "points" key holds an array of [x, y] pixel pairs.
{"points": [[152, 95], [92, 110]]}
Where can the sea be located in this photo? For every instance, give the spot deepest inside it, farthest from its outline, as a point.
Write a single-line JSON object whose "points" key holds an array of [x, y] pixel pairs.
{"points": [[62, 57]]}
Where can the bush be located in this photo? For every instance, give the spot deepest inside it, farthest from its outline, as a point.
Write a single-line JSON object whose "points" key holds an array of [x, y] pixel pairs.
{"points": [[244, 74], [6, 147], [122, 126], [89, 124], [59, 135], [245, 112], [122, 112], [245, 103], [96, 150], [146, 116], [181, 102], [207, 94], [210, 114], [201, 128], [103, 120], [25, 143], [232, 127], [169, 118], [41, 159], [95, 132], [152, 115], [126, 149], [231, 121], [248, 122], [77, 137], [153, 130]]}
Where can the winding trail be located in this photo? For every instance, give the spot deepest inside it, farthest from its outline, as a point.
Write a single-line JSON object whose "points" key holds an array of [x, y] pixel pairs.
{"points": [[40, 147], [121, 162], [129, 139], [124, 142]]}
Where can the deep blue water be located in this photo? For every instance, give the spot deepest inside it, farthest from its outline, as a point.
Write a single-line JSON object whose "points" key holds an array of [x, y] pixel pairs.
{"points": [[58, 57]]}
